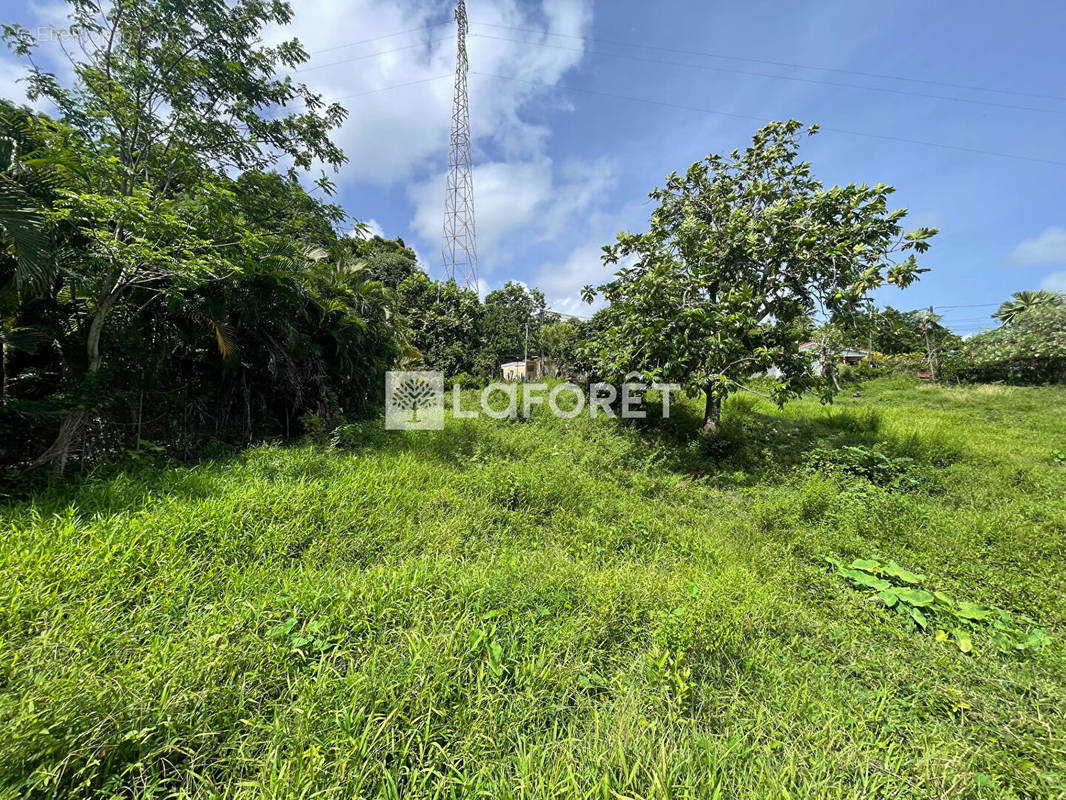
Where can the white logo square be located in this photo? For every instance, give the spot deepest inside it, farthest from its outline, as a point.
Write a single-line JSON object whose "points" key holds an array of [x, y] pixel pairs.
{"points": [[414, 401]]}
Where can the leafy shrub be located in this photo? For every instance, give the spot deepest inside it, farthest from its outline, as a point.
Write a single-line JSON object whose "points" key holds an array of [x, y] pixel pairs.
{"points": [[865, 370], [905, 363], [466, 381], [897, 588], [1031, 349], [871, 463], [357, 434]]}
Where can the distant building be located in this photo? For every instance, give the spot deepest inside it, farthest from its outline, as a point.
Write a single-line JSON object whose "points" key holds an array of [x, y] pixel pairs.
{"points": [[529, 370], [848, 355]]}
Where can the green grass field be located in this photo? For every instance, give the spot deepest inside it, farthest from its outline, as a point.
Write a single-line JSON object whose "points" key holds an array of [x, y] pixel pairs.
{"points": [[548, 609]]}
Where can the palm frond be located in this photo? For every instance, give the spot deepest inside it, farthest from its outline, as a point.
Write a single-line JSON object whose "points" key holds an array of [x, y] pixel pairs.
{"points": [[226, 337], [24, 225], [25, 339]]}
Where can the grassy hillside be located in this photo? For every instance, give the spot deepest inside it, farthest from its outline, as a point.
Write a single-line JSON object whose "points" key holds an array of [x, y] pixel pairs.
{"points": [[548, 609]]}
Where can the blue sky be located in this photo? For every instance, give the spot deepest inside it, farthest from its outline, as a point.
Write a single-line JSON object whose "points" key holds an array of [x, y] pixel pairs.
{"points": [[563, 161]]}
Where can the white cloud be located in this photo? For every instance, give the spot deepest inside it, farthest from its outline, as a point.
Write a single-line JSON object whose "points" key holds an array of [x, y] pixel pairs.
{"points": [[562, 283], [49, 22], [370, 229], [1047, 248], [11, 87], [1055, 282], [391, 132], [518, 195]]}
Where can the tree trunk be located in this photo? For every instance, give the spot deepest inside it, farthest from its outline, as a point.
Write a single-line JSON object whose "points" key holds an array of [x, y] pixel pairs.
{"points": [[3, 346], [833, 376], [929, 354], [59, 450], [712, 413]]}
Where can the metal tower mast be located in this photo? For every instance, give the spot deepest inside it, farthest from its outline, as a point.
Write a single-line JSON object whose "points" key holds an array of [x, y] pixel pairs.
{"points": [[459, 246]]}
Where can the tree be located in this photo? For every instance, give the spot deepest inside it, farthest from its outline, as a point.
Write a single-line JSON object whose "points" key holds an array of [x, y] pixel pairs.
{"points": [[829, 340], [168, 97], [1021, 302], [23, 228], [513, 319], [558, 340], [389, 261], [445, 322], [742, 251], [898, 332], [1030, 349], [928, 318]]}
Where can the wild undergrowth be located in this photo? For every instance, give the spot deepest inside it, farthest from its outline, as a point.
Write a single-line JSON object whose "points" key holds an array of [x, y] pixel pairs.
{"points": [[549, 608]]}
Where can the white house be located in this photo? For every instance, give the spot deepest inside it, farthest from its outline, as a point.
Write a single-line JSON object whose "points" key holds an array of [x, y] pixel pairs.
{"points": [[847, 355], [532, 368]]}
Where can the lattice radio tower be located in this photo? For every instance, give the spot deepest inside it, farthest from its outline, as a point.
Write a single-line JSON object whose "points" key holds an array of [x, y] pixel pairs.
{"points": [[459, 246]]}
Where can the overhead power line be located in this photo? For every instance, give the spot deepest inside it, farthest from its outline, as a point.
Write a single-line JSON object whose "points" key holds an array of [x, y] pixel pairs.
{"points": [[883, 137], [371, 55], [793, 78], [790, 65], [379, 38], [386, 88]]}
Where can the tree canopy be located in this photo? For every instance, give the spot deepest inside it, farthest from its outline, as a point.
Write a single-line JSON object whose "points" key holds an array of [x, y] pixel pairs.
{"points": [[897, 332], [160, 258], [1021, 302], [741, 252], [1030, 348], [514, 316]]}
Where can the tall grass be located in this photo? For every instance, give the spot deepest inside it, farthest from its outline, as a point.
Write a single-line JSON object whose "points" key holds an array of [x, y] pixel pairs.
{"points": [[541, 609]]}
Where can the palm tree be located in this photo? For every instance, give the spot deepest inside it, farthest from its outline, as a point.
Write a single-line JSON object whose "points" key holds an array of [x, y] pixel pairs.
{"points": [[23, 232], [1020, 302], [23, 236], [929, 320]]}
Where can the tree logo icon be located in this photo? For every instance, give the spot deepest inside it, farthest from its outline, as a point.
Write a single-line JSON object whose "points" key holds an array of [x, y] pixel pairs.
{"points": [[413, 394], [414, 400]]}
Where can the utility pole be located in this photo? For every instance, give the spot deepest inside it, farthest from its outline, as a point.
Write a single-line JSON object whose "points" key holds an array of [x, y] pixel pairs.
{"points": [[870, 337], [525, 353], [459, 242], [930, 356]]}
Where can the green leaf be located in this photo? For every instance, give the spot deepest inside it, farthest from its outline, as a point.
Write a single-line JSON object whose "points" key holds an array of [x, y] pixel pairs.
{"points": [[962, 639], [282, 629], [868, 564], [1036, 639], [973, 611], [918, 617], [943, 599], [894, 570], [888, 597], [866, 579], [915, 597]]}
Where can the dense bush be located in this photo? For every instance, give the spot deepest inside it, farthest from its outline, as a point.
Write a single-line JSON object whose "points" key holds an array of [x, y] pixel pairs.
{"points": [[159, 280], [1030, 349], [871, 463]]}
